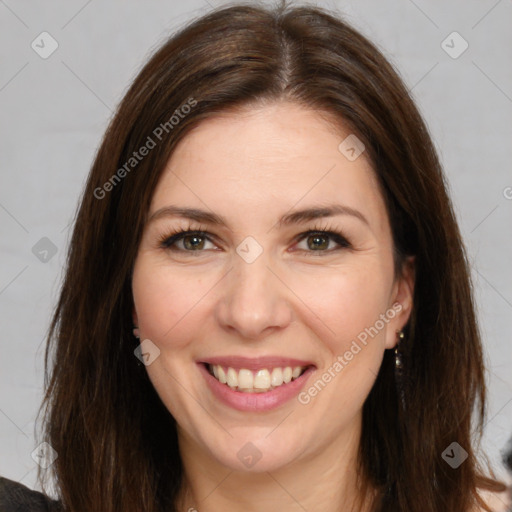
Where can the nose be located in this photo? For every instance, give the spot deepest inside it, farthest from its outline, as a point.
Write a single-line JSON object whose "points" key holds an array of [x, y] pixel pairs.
{"points": [[254, 302]]}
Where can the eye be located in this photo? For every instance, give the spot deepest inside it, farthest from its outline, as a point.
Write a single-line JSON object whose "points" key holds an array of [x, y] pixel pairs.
{"points": [[321, 241], [316, 240], [185, 240]]}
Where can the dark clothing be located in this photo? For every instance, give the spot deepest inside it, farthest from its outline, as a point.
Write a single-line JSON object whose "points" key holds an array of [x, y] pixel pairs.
{"points": [[16, 497]]}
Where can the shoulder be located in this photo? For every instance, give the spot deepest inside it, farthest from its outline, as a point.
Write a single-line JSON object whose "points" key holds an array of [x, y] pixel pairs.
{"points": [[496, 501], [16, 497]]}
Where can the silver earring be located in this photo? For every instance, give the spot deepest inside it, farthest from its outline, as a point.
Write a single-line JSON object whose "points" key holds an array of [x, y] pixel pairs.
{"points": [[399, 368], [136, 332], [398, 355]]}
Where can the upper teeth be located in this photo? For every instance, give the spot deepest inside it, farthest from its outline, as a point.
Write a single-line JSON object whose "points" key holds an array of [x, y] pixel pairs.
{"points": [[259, 381]]}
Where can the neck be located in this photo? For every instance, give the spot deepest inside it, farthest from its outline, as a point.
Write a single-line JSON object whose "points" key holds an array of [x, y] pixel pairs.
{"points": [[326, 480]]}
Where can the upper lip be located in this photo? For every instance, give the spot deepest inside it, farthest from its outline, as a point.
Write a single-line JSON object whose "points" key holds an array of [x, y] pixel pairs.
{"points": [[257, 363]]}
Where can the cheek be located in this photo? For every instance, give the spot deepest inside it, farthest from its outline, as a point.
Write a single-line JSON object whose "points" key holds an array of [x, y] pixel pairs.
{"points": [[346, 302], [165, 301], [350, 304]]}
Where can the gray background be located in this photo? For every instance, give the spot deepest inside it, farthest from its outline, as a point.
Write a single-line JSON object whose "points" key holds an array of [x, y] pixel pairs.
{"points": [[55, 110]]}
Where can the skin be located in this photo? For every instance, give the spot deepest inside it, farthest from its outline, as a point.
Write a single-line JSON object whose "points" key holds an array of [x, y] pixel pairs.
{"points": [[252, 167]]}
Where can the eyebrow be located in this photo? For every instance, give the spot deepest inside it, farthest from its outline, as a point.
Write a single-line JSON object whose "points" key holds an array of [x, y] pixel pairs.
{"points": [[295, 217]]}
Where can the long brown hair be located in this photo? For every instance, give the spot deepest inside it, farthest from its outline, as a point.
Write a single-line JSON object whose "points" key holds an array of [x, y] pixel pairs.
{"points": [[116, 442]]}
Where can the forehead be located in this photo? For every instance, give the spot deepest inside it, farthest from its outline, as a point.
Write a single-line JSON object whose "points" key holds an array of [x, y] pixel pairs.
{"points": [[264, 160]]}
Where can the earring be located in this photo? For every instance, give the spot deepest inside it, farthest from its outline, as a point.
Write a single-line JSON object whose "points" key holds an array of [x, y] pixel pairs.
{"points": [[136, 333], [399, 367], [398, 354]]}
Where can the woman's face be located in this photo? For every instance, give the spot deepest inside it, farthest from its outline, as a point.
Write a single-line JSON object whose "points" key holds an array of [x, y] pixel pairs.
{"points": [[255, 294]]}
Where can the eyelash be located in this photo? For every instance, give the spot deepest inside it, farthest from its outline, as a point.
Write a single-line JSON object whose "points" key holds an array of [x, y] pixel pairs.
{"points": [[169, 239]]}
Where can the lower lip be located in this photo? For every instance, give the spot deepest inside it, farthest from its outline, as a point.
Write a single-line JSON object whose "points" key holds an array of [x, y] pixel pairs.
{"points": [[255, 402]]}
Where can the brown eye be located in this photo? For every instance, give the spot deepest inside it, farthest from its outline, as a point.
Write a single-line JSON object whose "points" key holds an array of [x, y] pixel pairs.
{"points": [[318, 242], [191, 241], [323, 241]]}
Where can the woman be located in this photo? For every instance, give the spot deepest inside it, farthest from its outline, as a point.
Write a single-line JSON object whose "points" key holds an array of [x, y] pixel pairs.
{"points": [[267, 304]]}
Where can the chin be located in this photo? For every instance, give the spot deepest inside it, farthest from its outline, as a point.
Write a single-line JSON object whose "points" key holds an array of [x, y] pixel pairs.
{"points": [[254, 453]]}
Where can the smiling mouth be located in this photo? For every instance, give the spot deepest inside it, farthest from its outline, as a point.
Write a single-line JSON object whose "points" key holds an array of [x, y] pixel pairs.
{"points": [[260, 381]]}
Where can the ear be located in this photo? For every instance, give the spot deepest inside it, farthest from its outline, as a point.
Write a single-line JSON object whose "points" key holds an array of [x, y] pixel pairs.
{"points": [[401, 301], [135, 318]]}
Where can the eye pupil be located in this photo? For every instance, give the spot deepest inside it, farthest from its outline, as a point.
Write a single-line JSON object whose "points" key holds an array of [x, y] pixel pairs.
{"points": [[195, 238], [317, 241]]}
